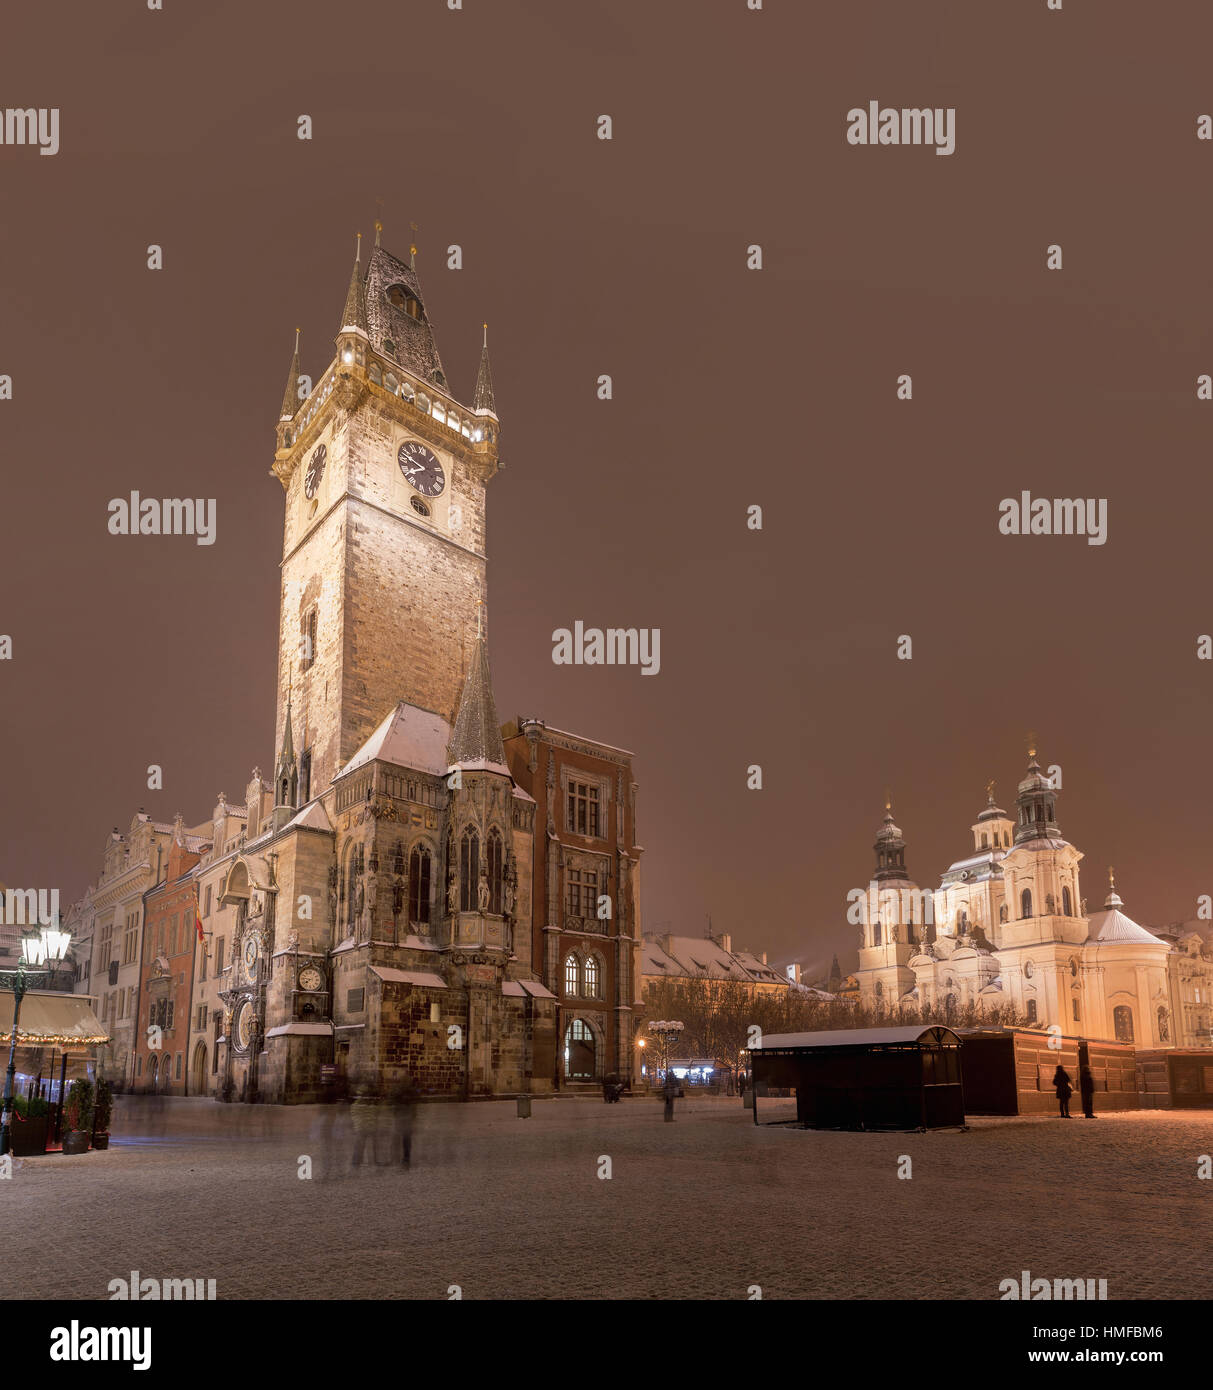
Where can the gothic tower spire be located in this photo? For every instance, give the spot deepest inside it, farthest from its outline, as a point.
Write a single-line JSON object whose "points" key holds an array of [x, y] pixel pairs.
{"points": [[286, 777], [353, 317], [482, 402], [290, 397]]}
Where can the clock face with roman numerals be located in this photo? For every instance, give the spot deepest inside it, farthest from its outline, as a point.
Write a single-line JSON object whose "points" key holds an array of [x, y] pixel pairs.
{"points": [[420, 468], [315, 471]]}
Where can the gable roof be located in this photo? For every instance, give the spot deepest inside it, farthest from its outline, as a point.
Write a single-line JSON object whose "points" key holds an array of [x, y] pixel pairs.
{"points": [[408, 737]]}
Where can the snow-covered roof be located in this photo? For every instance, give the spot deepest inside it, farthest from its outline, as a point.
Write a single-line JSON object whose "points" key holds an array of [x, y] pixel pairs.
{"points": [[409, 737], [1112, 927], [308, 1029], [859, 1037], [424, 978], [699, 957], [312, 817]]}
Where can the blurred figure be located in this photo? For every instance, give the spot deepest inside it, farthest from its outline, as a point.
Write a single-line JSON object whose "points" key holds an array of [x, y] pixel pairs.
{"points": [[333, 1130], [364, 1115], [403, 1101], [670, 1091]]}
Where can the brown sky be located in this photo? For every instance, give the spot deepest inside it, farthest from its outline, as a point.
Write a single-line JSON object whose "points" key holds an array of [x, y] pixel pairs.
{"points": [[731, 387]]}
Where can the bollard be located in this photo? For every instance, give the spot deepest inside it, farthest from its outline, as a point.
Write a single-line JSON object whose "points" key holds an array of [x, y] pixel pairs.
{"points": [[524, 1107]]}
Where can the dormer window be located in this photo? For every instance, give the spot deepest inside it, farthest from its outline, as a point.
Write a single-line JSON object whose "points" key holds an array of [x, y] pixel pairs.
{"points": [[402, 298], [389, 347]]}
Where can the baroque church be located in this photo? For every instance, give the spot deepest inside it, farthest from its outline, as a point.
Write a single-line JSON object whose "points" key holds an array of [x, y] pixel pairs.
{"points": [[1008, 928], [380, 906]]}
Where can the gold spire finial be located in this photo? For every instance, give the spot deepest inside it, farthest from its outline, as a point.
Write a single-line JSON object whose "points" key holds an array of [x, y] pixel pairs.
{"points": [[358, 248], [378, 229], [486, 335], [990, 789], [1111, 877], [1031, 743], [888, 800]]}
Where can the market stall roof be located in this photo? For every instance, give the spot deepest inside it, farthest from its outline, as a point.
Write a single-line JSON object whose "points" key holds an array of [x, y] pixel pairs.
{"points": [[50, 1019], [860, 1037]]}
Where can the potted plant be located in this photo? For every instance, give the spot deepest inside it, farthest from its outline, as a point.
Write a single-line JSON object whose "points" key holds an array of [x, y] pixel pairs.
{"points": [[30, 1127], [78, 1116], [103, 1112]]}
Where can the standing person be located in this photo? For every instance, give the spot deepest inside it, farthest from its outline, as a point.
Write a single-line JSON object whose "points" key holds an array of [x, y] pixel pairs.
{"points": [[1086, 1089], [1061, 1084], [404, 1108], [670, 1091]]}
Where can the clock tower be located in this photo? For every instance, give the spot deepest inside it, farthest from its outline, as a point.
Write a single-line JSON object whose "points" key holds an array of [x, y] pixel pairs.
{"points": [[383, 557]]}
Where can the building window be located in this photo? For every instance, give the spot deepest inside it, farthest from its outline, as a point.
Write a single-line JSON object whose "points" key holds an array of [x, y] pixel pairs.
{"points": [[879, 989], [1025, 903], [219, 957], [1122, 1023], [419, 506], [1066, 903], [206, 909], [307, 637], [579, 1051], [592, 978], [178, 1067], [469, 870], [583, 893], [139, 1064], [876, 932], [419, 884], [583, 809], [571, 976], [201, 1024], [984, 842], [496, 871], [305, 777], [1031, 1010], [1074, 1008], [355, 1001]]}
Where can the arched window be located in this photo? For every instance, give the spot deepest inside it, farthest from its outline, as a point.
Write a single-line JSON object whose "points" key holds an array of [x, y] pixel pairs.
{"points": [[1122, 1023], [375, 372], [1002, 912], [496, 871], [1066, 902], [469, 869], [879, 991], [419, 884], [572, 976], [949, 1007], [876, 932], [1031, 1010], [580, 1053], [984, 845], [592, 978], [1025, 903]]}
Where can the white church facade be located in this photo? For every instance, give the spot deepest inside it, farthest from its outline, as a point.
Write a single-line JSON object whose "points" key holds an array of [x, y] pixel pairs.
{"points": [[1008, 929]]}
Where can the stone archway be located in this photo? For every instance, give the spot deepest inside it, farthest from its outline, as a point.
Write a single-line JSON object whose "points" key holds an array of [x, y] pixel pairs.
{"points": [[198, 1077]]}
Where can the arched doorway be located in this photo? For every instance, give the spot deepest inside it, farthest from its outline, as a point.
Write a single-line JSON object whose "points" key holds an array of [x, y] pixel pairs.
{"points": [[166, 1074], [580, 1053], [199, 1082], [151, 1072]]}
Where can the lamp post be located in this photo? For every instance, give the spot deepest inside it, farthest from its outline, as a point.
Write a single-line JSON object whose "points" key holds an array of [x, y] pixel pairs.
{"points": [[49, 943]]}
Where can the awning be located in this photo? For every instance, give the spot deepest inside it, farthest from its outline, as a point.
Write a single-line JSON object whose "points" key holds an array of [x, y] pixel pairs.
{"points": [[409, 977], [50, 1019], [519, 989], [307, 1029]]}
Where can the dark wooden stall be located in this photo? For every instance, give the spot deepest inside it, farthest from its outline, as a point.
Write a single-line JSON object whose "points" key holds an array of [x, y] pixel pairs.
{"points": [[865, 1078]]}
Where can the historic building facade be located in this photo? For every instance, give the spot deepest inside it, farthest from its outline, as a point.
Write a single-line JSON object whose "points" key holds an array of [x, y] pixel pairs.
{"points": [[1008, 926], [167, 970], [584, 924]]}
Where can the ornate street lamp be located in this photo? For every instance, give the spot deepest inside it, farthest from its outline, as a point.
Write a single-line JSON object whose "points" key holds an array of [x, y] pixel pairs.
{"points": [[37, 946], [665, 1031]]}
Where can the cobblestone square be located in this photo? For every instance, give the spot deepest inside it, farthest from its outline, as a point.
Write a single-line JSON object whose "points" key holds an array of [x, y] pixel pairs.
{"points": [[704, 1208]]}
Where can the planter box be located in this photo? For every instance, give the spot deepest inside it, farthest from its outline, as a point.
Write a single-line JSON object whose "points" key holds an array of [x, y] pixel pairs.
{"points": [[101, 1141], [75, 1141], [29, 1136]]}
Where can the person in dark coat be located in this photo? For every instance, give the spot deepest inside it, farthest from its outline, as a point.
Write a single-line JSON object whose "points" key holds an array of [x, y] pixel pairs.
{"points": [[1061, 1084], [1086, 1089]]}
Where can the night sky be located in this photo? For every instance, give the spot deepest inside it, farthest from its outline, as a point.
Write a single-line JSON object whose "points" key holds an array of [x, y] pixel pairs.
{"points": [[732, 387]]}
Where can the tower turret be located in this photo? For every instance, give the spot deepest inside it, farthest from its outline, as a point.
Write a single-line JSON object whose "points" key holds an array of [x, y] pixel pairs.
{"points": [[1036, 801]]}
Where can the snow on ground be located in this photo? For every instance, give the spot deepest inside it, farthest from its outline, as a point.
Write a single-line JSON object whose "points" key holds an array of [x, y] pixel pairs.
{"points": [[702, 1208]]}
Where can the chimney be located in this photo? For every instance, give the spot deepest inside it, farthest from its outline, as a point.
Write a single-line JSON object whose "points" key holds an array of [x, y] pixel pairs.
{"points": [[794, 972], [726, 942], [763, 957]]}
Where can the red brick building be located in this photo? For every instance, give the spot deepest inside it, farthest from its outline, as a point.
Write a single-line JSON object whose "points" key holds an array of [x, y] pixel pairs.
{"points": [[166, 971], [585, 935]]}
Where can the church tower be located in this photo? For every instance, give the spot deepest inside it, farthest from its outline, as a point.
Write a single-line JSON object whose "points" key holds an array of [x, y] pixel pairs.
{"points": [[895, 920], [383, 559]]}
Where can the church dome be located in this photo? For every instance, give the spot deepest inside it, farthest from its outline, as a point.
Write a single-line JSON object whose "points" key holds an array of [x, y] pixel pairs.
{"points": [[1114, 927]]}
